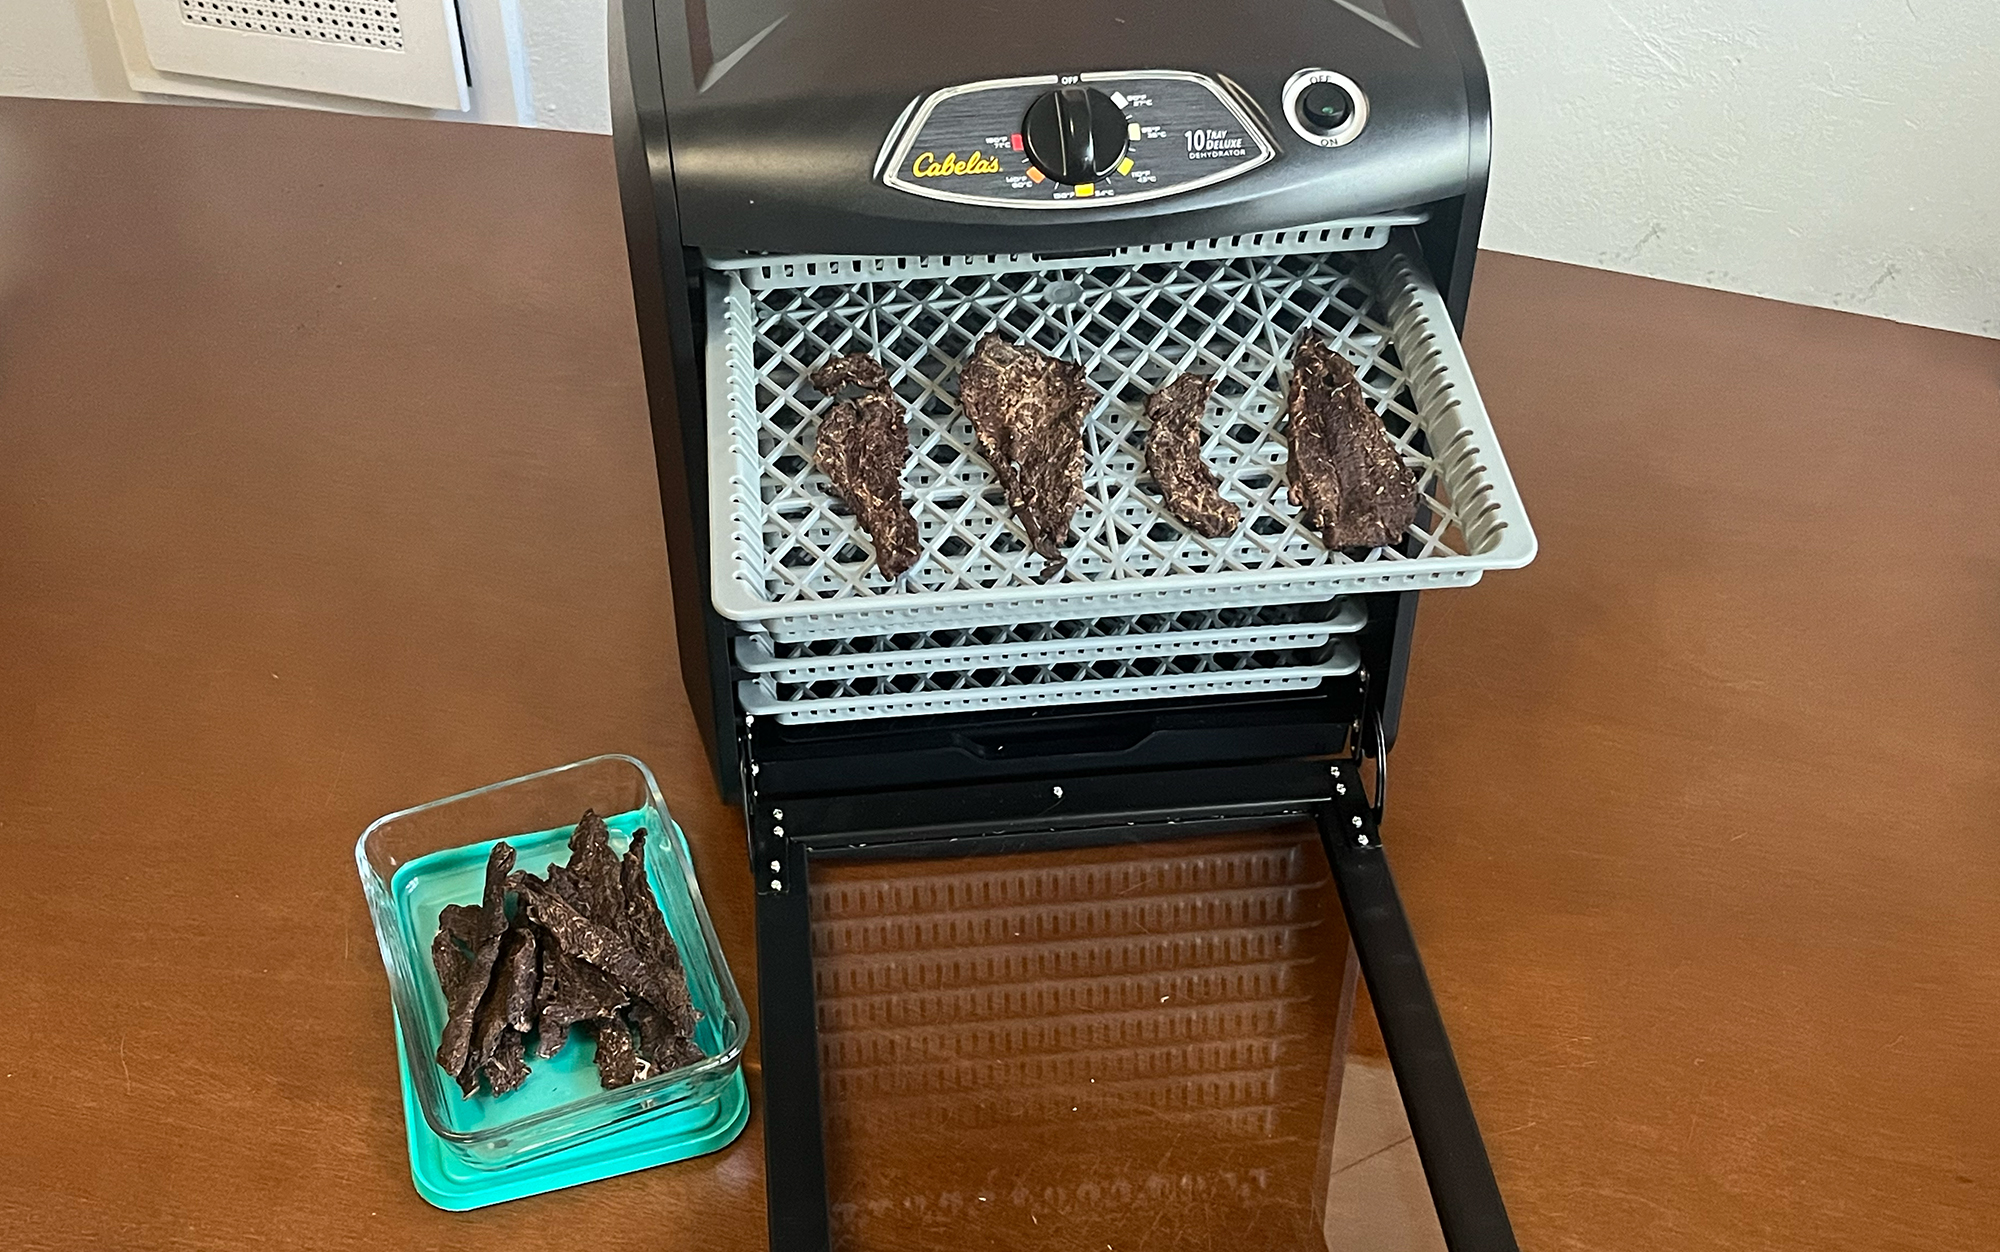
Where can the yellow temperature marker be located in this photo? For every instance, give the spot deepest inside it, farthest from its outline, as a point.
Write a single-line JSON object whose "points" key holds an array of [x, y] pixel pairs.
{"points": [[1125, 166], [1132, 131], [1086, 189]]}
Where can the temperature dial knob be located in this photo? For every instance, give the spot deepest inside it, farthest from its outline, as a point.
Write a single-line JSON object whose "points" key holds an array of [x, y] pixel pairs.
{"points": [[1074, 134]]}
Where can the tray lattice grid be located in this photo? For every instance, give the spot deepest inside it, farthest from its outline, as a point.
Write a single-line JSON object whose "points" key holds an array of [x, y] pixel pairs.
{"points": [[1118, 678], [1133, 327], [1238, 629], [1086, 628]]}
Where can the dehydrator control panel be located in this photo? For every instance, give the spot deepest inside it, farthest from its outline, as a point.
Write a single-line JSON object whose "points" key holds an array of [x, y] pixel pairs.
{"points": [[1074, 140]]}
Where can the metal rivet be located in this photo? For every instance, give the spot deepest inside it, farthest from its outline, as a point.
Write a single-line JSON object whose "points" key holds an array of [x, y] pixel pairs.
{"points": [[776, 885], [1335, 771], [777, 815], [777, 866], [1357, 821], [1340, 789], [778, 831], [1056, 792], [755, 769], [1362, 840]]}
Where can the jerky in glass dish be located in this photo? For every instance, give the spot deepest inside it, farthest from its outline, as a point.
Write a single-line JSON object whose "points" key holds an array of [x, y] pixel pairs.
{"points": [[427, 866]]}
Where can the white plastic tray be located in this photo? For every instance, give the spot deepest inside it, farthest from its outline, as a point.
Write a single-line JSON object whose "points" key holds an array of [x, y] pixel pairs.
{"points": [[789, 559], [1287, 627], [954, 691]]}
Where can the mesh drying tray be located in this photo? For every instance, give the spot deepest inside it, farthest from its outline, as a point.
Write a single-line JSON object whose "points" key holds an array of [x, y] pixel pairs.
{"points": [[1247, 629], [988, 685], [789, 558]]}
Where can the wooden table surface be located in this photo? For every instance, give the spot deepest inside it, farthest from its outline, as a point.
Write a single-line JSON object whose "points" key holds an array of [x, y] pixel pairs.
{"points": [[325, 488]]}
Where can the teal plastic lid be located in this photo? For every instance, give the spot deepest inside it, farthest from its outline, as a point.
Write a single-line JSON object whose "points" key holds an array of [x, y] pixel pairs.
{"points": [[449, 1183]]}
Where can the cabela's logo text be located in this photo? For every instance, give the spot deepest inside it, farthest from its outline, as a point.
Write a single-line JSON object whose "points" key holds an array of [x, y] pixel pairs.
{"points": [[927, 165]]}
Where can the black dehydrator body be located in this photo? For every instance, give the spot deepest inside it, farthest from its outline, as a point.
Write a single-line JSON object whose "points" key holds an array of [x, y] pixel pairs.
{"points": [[773, 152]]}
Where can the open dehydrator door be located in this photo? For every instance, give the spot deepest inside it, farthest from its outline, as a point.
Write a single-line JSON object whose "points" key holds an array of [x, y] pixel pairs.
{"points": [[1170, 1009]]}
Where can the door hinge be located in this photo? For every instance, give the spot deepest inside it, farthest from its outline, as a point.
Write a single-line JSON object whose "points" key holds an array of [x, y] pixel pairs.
{"points": [[1367, 732]]}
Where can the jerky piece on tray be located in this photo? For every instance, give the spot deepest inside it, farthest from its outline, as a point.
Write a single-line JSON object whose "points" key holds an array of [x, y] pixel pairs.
{"points": [[1346, 475], [1028, 408], [862, 447], [455, 1044], [1173, 454]]}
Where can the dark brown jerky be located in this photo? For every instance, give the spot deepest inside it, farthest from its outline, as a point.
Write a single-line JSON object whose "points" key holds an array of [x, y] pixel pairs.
{"points": [[594, 867], [517, 975], [663, 1043], [596, 945], [665, 1029], [455, 1043], [548, 1039], [567, 887], [458, 937], [1027, 409], [506, 1069], [575, 992], [1346, 475], [465, 922], [644, 925], [1173, 454], [862, 447], [508, 1001], [617, 1065]]}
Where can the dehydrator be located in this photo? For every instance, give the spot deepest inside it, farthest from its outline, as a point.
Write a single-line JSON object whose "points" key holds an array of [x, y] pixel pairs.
{"points": [[1142, 189]]}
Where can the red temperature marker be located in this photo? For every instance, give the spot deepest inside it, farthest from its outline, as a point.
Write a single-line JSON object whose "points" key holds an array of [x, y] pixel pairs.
{"points": [[1016, 141]]}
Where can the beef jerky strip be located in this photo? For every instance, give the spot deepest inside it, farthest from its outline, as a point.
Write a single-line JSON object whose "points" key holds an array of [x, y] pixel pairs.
{"points": [[644, 926], [518, 974], [508, 1001], [567, 991], [617, 1065], [505, 1070], [1346, 475], [455, 1042], [594, 867], [548, 982], [662, 1027], [862, 447], [1027, 409], [576, 993], [1173, 454], [663, 1044], [458, 937], [596, 945]]}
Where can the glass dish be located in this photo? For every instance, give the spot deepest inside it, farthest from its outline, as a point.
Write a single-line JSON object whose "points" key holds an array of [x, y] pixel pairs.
{"points": [[414, 862]]}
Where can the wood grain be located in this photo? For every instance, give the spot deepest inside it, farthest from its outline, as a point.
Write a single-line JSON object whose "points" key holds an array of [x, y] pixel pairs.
{"points": [[325, 488]]}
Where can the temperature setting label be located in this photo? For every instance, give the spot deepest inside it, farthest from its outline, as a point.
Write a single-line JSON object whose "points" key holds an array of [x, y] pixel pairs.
{"points": [[1069, 141]]}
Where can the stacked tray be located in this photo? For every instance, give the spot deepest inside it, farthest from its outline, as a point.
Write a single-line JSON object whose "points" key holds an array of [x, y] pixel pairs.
{"points": [[955, 669]]}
